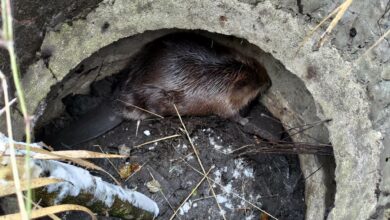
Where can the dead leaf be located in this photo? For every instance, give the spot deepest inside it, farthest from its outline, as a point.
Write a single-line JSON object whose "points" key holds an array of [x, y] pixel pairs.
{"points": [[153, 186], [128, 169]]}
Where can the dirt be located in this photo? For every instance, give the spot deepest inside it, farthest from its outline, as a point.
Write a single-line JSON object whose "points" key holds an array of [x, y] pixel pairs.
{"points": [[243, 184], [271, 182]]}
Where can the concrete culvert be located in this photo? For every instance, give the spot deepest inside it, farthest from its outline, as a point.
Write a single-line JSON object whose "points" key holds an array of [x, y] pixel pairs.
{"points": [[314, 88], [92, 80]]}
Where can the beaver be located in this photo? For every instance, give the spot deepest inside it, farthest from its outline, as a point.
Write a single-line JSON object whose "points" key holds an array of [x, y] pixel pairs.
{"points": [[199, 76], [196, 74]]}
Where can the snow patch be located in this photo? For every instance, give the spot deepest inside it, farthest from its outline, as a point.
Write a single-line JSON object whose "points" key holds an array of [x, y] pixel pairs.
{"points": [[214, 144], [242, 169], [185, 208], [221, 199], [78, 180]]}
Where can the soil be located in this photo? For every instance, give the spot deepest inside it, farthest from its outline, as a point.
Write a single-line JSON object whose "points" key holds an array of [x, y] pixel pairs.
{"points": [[271, 182]]}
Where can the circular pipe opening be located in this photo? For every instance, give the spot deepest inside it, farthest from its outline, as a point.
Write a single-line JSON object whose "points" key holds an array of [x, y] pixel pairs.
{"points": [[287, 99]]}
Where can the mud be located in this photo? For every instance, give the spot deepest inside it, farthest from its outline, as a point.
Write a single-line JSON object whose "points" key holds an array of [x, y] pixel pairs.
{"points": [[271, 182]]}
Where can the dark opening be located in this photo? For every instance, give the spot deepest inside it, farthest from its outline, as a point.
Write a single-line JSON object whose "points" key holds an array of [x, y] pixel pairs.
{"points": [[258, 163]]}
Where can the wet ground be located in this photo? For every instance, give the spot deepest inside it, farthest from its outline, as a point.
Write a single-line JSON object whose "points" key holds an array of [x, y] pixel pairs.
{"points": [[243, 185]]}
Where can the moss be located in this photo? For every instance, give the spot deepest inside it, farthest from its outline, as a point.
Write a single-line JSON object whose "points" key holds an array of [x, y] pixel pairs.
{"points": [[119, 208]]}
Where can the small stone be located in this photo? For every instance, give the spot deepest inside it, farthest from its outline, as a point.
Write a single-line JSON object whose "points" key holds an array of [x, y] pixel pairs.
{"points": [[386, 74], [147, 132]]}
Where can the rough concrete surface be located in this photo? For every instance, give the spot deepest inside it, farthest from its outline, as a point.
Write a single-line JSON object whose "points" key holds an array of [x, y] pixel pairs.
{"points": [[354, 95]]}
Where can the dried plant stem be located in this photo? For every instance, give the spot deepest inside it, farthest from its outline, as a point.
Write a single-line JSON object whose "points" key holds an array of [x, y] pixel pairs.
{"points": [[109, 161], [15, 171], [230, 192], [37, 206], [310, 34], [10, 104], [163, 194], [9, 43], [340, 13], [192, 192], [154, 141], [199, 161], [373, 46], [139, 108]]}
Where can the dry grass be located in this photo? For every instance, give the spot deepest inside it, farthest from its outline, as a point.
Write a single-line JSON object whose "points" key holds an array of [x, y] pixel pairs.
{"points": [[14, 167], [230, 192], [205, 175], [155, 141], [199, 161], [42, 212], [339, 12], [8, 43]]}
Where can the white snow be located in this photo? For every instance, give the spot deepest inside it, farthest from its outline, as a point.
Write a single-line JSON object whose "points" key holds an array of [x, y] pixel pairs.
{"points": [[228, 188], [4, 141], [248, 172], [185, 208], [79, 180], [229, 204], [214, 144], [250, 217], [221, 199], [217, 176], [241, 169]]}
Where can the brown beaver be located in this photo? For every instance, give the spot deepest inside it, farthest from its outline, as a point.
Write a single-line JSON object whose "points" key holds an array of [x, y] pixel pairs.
{"points": [[198, 75]]}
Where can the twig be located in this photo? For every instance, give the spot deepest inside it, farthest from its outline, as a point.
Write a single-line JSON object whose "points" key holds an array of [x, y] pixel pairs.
{"points": [[340, 13], [231, 192], [153, 141], [291, 148], [373, 46], [36, 205], [192, 192], [136, 171], [310, 34], [315, 171], [14, 167], [243, 147], [10, 104], [222, 187], [297, 128], [199, 161], [109, 161], [139, 108], [162, 193], [137, 127]]}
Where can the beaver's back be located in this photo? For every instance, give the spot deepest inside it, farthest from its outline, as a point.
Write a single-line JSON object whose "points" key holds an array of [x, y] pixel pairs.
{"points": [[200, 76]]}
